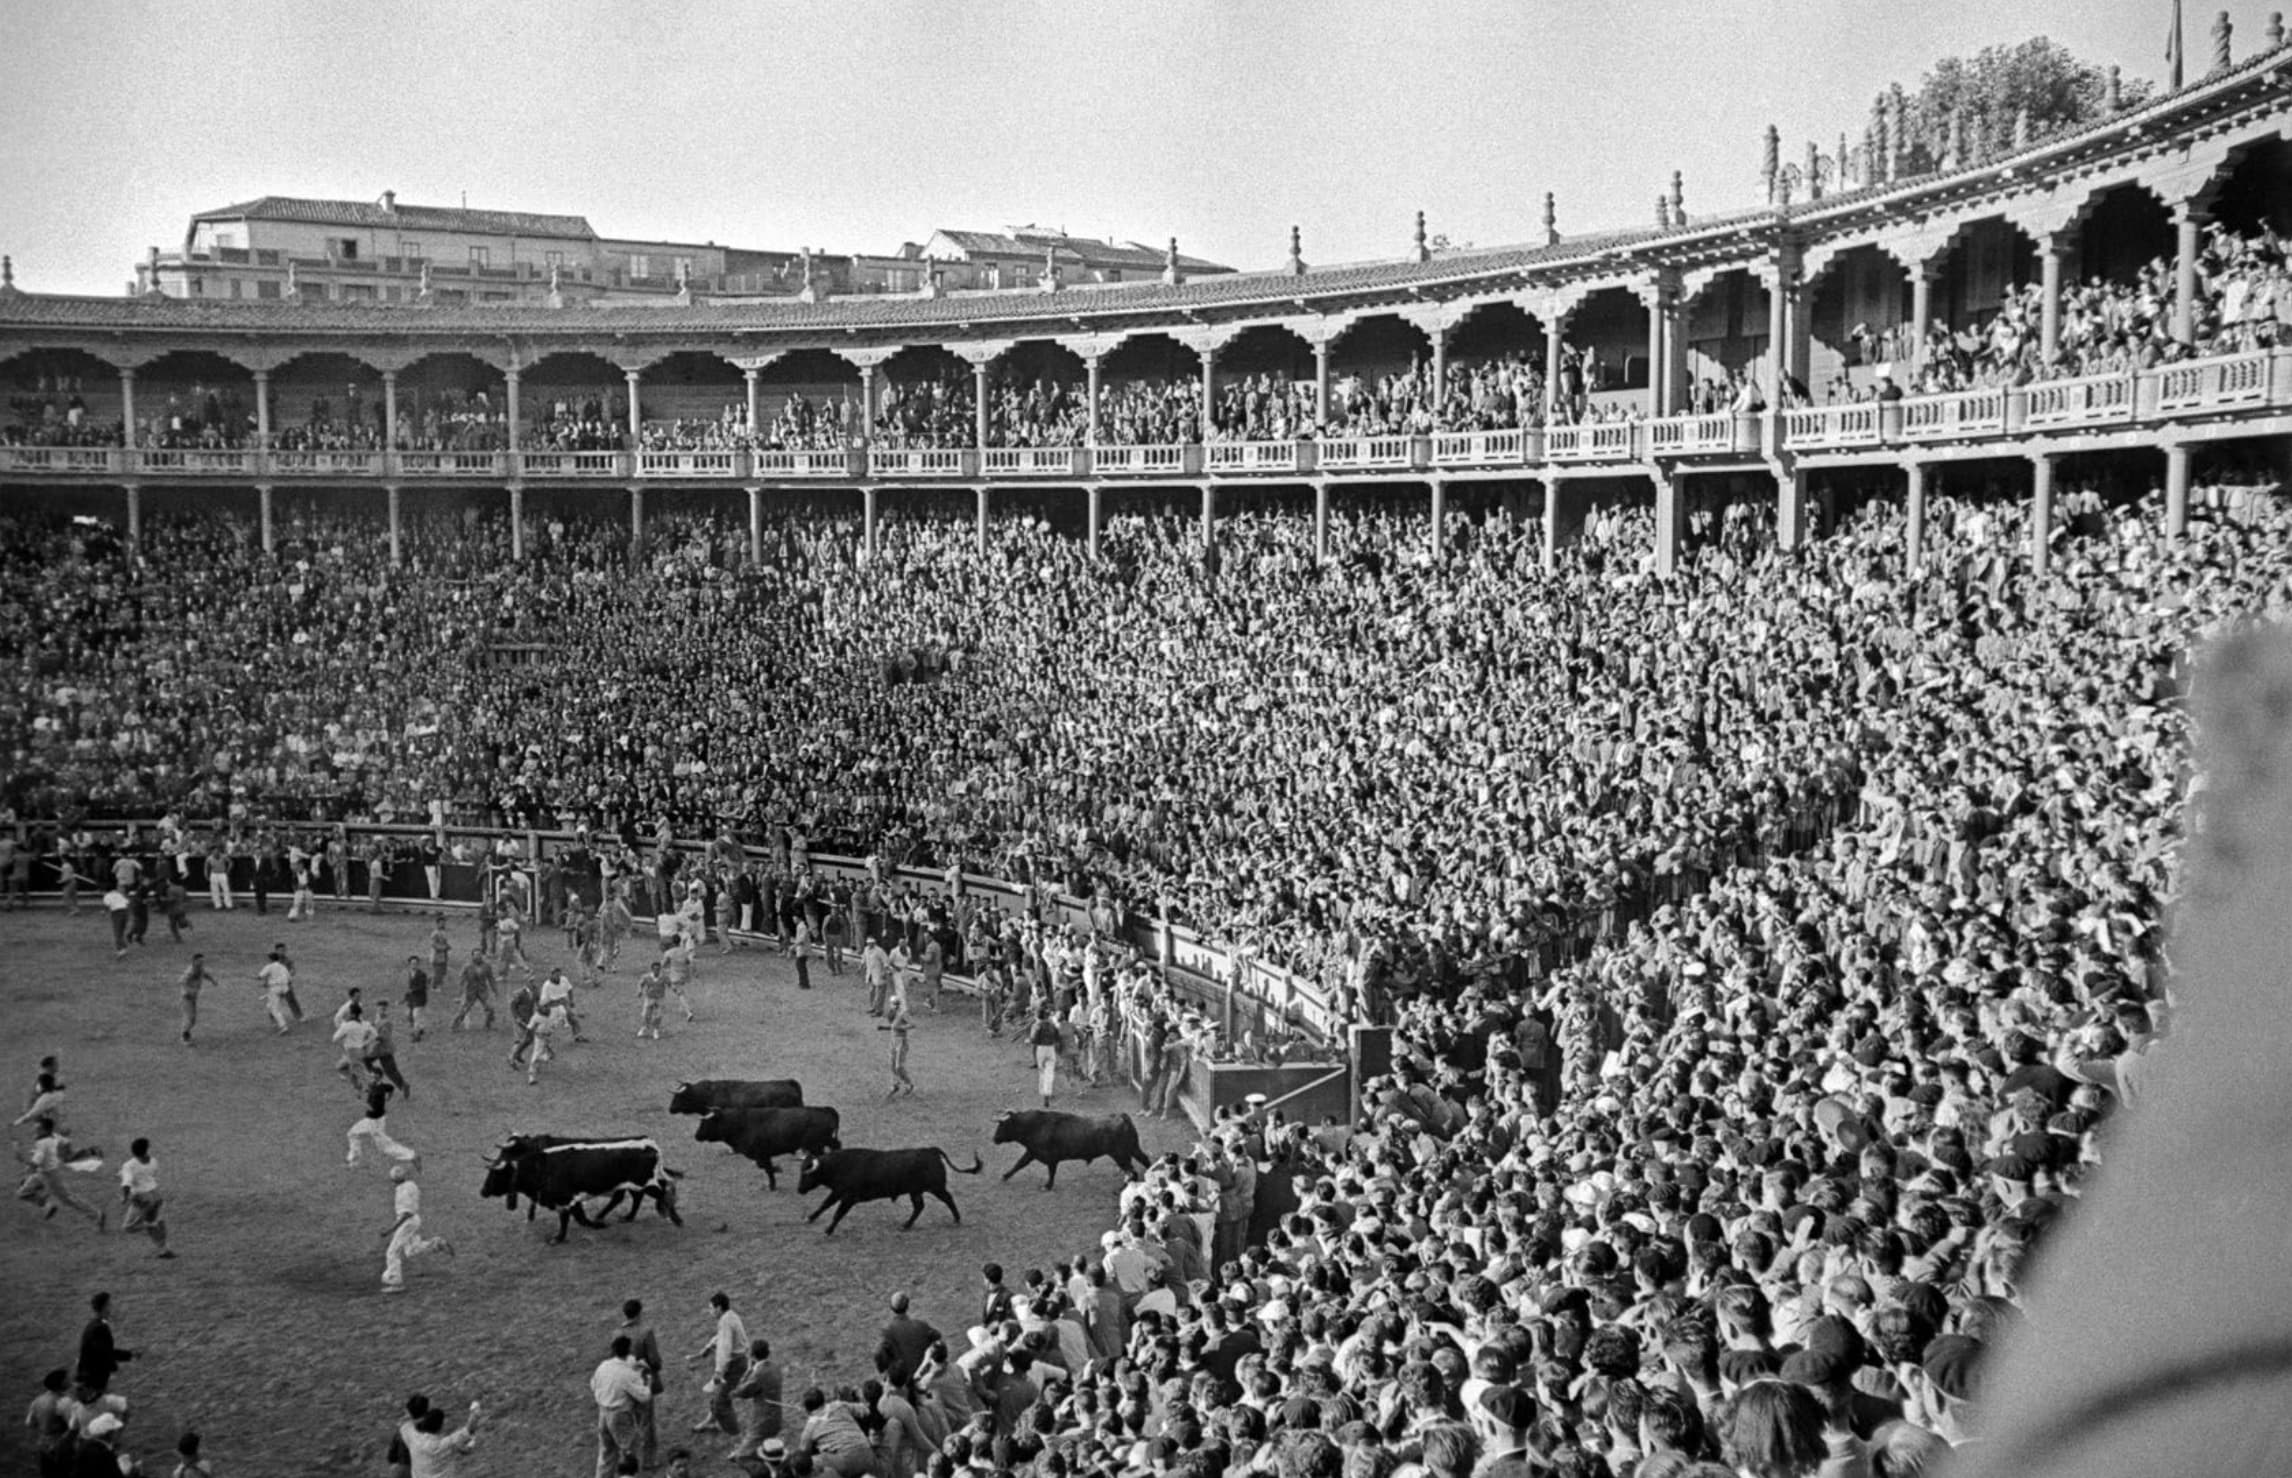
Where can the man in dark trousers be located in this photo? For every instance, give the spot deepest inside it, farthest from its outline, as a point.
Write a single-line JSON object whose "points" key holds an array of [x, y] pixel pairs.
{"points": [[905, 1341], [100, 1354]]}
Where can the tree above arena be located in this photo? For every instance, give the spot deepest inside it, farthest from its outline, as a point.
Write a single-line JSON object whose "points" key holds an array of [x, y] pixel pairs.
{"points": [[1992, 88]]}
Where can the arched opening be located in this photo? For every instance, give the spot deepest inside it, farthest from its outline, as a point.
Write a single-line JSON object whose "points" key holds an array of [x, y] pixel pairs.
{"points": [[1266, 386], [1606, 338], [1725, 326], [2256, 193], [1859, 304], [925, 397], [2124, 229], [574, 401], [693, 401], [452, 403], [326, 402], [1380, 377], [1035, 396], [807, 400], [62, 397], [195, 399], [1985, 261], [1150, 393], [1495, 369]]}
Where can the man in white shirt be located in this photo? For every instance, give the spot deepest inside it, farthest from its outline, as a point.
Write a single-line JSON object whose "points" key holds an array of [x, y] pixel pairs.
{"points": [[405, 1233], [431, 1450], [620, 1388], [729, 1338], [47, 1162], [354, 1034], [139, 1188], [278, 987]]}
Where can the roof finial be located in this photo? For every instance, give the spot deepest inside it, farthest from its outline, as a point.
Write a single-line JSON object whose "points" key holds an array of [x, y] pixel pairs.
{"points": [[7, 271], [1770, 159], [2273, 37], [1296, 252], [1170, 273], [1662, 212], [1678, 198], [1551, 220]]}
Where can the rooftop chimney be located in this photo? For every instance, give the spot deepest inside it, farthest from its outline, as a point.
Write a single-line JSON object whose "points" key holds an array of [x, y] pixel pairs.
{"points": [[389, 202]]}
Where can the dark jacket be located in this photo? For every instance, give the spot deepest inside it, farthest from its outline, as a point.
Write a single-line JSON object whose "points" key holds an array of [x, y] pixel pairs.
{"points": [[99, 1356]]}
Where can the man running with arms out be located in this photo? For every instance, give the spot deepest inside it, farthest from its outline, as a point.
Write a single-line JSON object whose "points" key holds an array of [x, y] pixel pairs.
{"points": [[139, 1188], [374, 1129], [195, 977], [405, 1234], [47, 1162]]}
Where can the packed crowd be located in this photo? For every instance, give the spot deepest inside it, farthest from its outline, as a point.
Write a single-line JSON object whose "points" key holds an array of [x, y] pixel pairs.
{"points": [[1767, 944]]}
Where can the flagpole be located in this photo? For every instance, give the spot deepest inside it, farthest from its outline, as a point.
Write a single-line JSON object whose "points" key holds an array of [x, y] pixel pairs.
{"points": [[2173, 51]]}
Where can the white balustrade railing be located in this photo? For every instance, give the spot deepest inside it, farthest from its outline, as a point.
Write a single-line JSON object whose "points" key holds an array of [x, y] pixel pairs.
{"points": [[1479, 448], [2224, 382], [1816, 426], [1687, 436], [62, 459], [323, 463], [1028, 461], [688, 464], [599, 465], [195, 462], [1139, 461], [916, 462], [451, 464], [1954, 415], [1251, 456], [801, 464], [1368, 451], [2089, 400]]}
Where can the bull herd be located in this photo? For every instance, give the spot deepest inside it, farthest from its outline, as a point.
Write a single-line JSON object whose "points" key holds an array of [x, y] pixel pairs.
{"points": [[762, 1120]]}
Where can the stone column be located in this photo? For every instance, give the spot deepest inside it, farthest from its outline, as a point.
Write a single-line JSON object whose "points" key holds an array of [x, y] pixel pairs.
{"points": [[1656, 326], [1552, 347], [1914, 541], [263, 516], [509, 379], [636, 409], [1675, 356], [1791, 509], [755, 522], [1091, 493], [2188, 225], [516, 521], [984, 497], [2041, 513], [867, 400], [2050, 252], [636, 522], [127, 407], [1090, 430], [867, 521], [979, 396], [1778, 353], [1670, 521], [1921, 311], [397, 531], [1439, 514], [1321, 382], [390, 411], [2177, 490], [263, 408], [1209, 397], [1321, 520], [1209, 516], [1551, 552], [134, 517], [1439, 337], [751, 376]]}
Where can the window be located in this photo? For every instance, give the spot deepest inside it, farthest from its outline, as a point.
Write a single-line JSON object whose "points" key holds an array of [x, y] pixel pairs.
{"points": [[684, 266], [266, 289], [412, 249], [358, 291], [198, 285], [640, 266], [555, 259], [478, 257], [346, 248], [238, 288]]}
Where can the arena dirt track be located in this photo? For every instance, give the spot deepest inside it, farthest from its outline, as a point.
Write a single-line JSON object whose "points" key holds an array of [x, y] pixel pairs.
{"points": [[269, 1333]]}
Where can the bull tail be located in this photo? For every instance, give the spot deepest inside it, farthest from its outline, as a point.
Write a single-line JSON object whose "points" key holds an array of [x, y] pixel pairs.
{"points": [[977, 1164], [674, 1173]]}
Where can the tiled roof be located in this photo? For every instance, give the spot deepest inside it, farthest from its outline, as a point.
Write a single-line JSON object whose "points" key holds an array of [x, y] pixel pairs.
{"points": [[368, 213], [1087, 250]]}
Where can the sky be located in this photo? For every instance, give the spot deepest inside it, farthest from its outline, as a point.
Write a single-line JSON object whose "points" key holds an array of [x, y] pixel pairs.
{"points": [[855, 125]]}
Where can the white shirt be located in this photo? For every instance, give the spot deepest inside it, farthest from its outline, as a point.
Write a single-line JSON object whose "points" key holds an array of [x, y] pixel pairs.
{"points": [[355, 1036], [731, 1339], [276, 978], [139, 1177], [555, 992], [407, 1198]]}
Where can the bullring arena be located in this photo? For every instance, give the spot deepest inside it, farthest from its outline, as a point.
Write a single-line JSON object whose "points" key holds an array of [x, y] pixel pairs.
{"points": [[1613, 815]]}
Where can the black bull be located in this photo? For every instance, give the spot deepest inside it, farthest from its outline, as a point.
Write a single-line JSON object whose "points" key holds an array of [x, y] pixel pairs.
{"points": [[1050, 1138], [716, 1093], [762, 1134], [558, 1172], [853, 1176]]}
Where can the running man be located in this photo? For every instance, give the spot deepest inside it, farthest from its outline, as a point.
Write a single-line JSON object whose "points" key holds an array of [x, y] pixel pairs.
{"points": [[139, 1189], [557, 998], [354, 1034], [48, 1161], [195, 977], [522, 1011], [477, 992], [1044, 1038], [382, 1051], [418, 996], [676, 963], [898, 1023], [374, 1128], [405, 1233], [277, 980]]}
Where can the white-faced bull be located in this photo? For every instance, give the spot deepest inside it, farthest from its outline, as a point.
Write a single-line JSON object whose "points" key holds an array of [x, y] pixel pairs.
{"points": [[853, 1176], [556, 1172], [1050, 1138]]}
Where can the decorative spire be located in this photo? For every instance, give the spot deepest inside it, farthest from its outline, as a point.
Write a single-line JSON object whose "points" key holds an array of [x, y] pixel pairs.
{"points": [[2273, 37], [1958, 159], [1841, 157], [1423, 252], [2113, 95], [1678, 198], [2223, 54], [1171, 276], [2021, 130], [1770, 159], [1551, 220], [7, 272], [1663, 212], [1296, 253]]}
